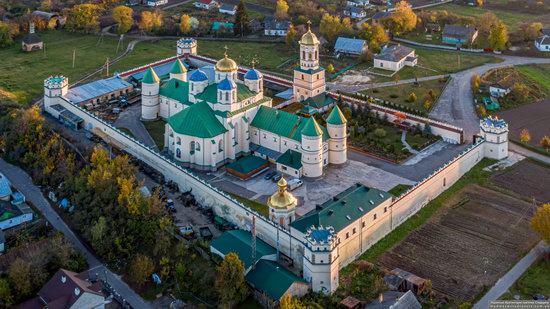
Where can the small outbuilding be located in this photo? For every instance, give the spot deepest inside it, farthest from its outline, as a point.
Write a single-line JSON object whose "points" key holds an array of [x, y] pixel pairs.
{"points": [[403, 281], [543, 43], [355, 12], [228, 8], [458, 35], [395, 57], [349, 46], [31, 41]]}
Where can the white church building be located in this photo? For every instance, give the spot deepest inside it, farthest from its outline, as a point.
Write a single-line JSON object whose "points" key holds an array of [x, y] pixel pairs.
{"points": [[214, 121]]}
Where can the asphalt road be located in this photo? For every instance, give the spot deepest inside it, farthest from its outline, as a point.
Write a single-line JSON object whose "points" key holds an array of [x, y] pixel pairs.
{"points": [[455, 105], [129, 118], [21, 180]]}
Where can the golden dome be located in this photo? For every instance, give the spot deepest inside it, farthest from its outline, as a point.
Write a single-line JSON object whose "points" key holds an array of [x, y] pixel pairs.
{"points": [[282, 199], [309, 38], [226, 64]]}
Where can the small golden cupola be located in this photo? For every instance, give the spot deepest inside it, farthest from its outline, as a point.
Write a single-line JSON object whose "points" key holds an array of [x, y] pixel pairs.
{"points": [[226, 64], [309, 38], [282, 205]]}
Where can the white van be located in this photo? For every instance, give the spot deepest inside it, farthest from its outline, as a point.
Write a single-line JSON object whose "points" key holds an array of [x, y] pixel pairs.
{"points": [[294, 183]]}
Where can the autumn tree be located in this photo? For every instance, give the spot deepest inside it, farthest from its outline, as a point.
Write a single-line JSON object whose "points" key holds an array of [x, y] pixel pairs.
{"points": [[146, 21], [525, 136], [124, 18], [6, 295], [185, 24], [291, 36], [403, 19], [475, 82], [281, 11], [541, 222], [412, 97], [531, 31], [140, 269], [330, 68], [19, 274], [289, 302], [231, 283], [242, 20], [498, 37], [486, 22], [332, 27], [83, 17], [157, 19], [545, 142]]}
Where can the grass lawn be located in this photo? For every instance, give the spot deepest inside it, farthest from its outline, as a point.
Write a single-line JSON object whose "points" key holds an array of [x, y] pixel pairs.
{"points": [[475, 176], [511, 19], [403, 91], [156, 130], [262, 209], [538, 73], [536, 280], [22, 74], [127, 131]]}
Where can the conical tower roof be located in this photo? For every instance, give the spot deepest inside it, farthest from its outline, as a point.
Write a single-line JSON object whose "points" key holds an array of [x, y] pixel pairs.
{"points": [[312, 128], [336, 117], [150, 77], [178, 67]]}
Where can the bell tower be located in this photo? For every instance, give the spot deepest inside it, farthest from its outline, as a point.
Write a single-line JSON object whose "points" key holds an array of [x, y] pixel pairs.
{"points": [[309, 77]]}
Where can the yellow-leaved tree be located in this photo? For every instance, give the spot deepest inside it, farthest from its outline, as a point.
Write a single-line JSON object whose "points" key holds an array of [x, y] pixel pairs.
{"points": [[124, 18], [541, 222]]}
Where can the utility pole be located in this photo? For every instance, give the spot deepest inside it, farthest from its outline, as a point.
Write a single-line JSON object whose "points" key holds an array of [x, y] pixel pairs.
{"points": [[74, 56], [458, 55], [107, 66]]}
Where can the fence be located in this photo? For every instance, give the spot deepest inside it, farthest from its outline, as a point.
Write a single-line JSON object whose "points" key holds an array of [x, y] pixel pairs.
{"points": [[452, 48]]}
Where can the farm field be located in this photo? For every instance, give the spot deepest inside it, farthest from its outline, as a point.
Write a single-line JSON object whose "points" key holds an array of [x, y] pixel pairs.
{"points": [[528, 179], [533, 117], [468, 244], [538, 73]]}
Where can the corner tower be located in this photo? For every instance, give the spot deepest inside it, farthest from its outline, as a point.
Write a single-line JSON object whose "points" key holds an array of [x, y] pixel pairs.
{"points": [[312, 149], [186, 47], [55, 87], [282, 205], [321, 259], [150, 87], [309, 77], [495, 133], [337, 131]]}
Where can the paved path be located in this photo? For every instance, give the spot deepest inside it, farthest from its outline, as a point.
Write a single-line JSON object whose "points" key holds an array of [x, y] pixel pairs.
{"points": [[455, 105], [528, 153], [21, 180], [333, 86], [404, 141], [504, 283], [130, 119]]}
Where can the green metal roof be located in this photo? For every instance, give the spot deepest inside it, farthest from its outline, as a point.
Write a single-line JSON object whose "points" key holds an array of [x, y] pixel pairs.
{"points": [[247, 164], [342, 209], [272, 279], [312, 128], [309, 71], [178, 67], [177, 90], [308, 110], [210, 93], [319, 101], [150, 77], [197, 120], [291, 158], [240, 242], [336, 117], [282, 123]]}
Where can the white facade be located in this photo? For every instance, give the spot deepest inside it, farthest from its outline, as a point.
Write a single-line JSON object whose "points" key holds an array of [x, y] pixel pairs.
{"points": [[543, 43], [309, 78], [498, 91], [153, 3], [205, 4], [337, 144], [395, 63], [275, 32], [312, 156], [321, 261], [150, 104], [186, 47], [495, 133]]}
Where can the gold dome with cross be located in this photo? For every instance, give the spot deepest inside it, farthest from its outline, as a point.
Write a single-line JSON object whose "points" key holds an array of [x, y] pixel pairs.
{"points": [[226, 64], [282, 199], [309, 38]]}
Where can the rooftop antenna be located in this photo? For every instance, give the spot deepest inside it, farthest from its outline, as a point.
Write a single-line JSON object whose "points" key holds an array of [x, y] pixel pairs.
{"points": [[253, 242]]}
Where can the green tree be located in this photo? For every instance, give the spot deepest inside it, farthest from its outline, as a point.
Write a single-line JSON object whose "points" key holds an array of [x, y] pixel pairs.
{"points": [[140, 269], [380, 133], [541, 221], [242, 20], [124, 18], [19, 274], [498, 37], [6, 296], [98, 235], [83, 17], [185, 24], [281, 11], [6, 35], [231, 283]]}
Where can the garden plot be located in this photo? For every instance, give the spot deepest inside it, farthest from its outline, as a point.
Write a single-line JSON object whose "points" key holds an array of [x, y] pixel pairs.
{"points": [[468, 245], [526, 178]]}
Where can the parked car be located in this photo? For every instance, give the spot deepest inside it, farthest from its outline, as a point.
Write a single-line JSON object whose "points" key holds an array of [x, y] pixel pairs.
{"points": [[187, 230], [294, 183], [270, 175], [205, 233], [170, 205], [276, 178]]}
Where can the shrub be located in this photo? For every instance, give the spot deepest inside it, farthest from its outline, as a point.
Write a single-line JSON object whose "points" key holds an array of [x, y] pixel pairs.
{"points": [[412, 97], [380, 132], [394, 96], [375, 90]]}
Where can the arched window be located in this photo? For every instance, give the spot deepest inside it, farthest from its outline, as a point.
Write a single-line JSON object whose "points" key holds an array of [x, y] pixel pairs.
{"points": [[178, 153], [220, 145], [192, 87], [178, 141], [192, 147], [303, 55], [227, 96]]}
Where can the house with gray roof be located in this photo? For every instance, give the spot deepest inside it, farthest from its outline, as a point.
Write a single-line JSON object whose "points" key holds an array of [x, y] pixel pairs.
{"points": [[395, 57], [355, 12], [458, 35], [543, 42], [349, 46], [275, 27], [228, 8]]}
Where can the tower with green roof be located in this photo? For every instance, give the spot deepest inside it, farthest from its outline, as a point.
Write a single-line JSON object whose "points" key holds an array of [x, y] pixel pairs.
{"points": [[150, 87], [313, 159], [337, 130], [178, 71]]}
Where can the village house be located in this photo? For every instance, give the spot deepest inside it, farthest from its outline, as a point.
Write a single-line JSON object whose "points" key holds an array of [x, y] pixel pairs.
{"points": [[357, 2], [275, 27], [458, 35], [349, 46], [154, 3], [70, 290], [228, 8], [206, 4], [355, 12], [378, 16], [501, 88], [543, 43], [395, 57]]}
